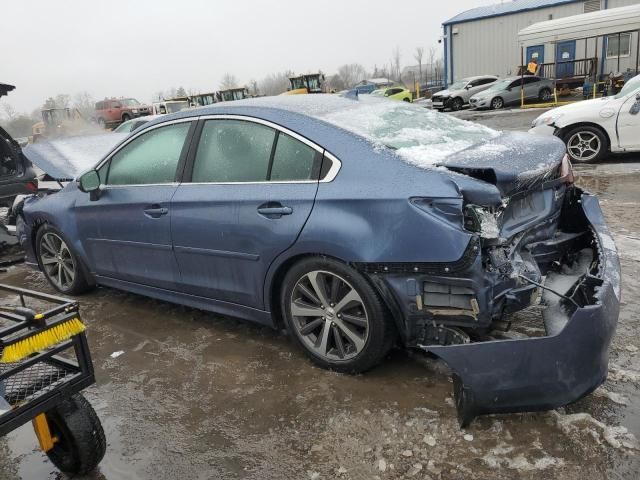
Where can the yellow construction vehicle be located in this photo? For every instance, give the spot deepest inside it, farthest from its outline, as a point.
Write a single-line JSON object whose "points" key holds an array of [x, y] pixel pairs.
{"points": [[58, 122], [306, 83], [231, 94]]}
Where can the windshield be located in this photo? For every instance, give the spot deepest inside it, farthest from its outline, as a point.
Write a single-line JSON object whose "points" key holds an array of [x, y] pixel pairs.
{"points": [[499, 85], [629, 87], [421, 136], [458, 85], [130, 102], [125, 127], [173, 107]]}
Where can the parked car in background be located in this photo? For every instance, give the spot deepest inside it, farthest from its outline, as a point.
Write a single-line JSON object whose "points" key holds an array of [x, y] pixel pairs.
{"points": [[592, 128], [325, 215], [131, 125], [112, 112], [507, 92], [457, 95], [394, 93]]}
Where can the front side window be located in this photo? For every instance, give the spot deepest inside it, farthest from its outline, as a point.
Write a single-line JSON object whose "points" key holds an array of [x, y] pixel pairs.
{"points": [[233, 151], [151, 158], [618, 45], [293, 160]]}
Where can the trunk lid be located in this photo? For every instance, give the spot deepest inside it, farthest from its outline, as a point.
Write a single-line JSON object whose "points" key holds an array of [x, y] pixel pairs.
{"points": [[512, 161]]}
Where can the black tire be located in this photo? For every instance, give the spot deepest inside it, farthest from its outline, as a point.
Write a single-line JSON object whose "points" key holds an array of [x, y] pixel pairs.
{"points": [[406, 99], [457, 104], [125, 117], [545, 95], [80, 282], [574, 137], [496, 103], [381, 331], [81, 442]]}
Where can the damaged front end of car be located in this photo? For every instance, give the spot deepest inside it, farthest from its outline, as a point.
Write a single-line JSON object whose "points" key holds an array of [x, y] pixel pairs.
{"points": [[545, 247]]}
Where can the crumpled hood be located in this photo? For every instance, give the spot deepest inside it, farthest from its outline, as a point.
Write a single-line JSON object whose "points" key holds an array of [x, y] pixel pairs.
{"points": [[444, 93], [65, 158], [511, 161]]}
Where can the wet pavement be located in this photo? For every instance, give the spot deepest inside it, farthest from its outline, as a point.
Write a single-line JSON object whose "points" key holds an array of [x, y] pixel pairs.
{"points": [[197, 396]]}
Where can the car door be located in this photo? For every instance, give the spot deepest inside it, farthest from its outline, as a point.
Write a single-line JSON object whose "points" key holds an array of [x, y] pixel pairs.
{"points": [[479, 85], [531, 86], [127, 230], [252, 189], [512, 92], [628, 123]]}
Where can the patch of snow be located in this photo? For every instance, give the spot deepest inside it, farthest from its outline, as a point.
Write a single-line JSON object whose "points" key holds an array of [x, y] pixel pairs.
{"points": [[617, 437], [116, 354]]}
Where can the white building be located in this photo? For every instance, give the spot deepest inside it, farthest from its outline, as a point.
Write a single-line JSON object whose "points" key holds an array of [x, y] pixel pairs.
{"points": [[484, 40]]}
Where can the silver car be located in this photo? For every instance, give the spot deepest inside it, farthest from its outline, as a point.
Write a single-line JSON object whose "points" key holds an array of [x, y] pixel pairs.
{"points": [[507, 92], [458, 94]]}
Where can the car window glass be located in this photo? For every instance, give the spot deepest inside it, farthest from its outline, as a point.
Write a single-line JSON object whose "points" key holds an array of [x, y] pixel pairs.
{"points": [[528, 80], [486, 81], [151, 158], [233, 151], [515, 83], [293, 160]]}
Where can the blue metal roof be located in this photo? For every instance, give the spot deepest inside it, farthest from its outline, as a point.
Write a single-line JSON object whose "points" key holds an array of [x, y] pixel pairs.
{"points": [[506, 8]]}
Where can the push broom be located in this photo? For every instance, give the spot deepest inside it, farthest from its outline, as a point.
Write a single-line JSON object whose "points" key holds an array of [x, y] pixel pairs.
{"points": [[39, 336]]}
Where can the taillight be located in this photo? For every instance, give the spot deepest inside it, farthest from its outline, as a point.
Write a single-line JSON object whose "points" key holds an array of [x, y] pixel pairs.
{"points": [[32, 186], [566, 171]]}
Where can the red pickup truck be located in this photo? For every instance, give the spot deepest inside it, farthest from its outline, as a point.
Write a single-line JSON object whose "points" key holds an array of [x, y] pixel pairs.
{"points": [[112, 112]]}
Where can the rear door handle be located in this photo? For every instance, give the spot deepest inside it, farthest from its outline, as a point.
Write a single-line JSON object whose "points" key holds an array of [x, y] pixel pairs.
{"points": [[155, 211], [274, 210]]}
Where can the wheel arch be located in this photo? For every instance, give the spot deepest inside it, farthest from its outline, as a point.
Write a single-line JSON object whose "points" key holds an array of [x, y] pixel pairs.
{"points": [[275, 286], [563, 131]]}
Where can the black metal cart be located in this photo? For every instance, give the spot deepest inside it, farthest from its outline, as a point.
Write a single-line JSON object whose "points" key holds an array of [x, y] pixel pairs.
{"points": [[44, 387]]}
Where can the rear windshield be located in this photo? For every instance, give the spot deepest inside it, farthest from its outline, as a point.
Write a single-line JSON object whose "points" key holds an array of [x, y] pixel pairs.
{"points": [[421, 136]]}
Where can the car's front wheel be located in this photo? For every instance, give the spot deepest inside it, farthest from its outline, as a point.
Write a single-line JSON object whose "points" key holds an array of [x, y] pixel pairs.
{"points": [[545, 95], [586, 144], [60, 264], [497, 103], [457, 104], [335, 315]]}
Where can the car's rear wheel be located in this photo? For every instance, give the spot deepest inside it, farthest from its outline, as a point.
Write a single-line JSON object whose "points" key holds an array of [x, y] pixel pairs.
{"points": [[125, 117], [335, 315], [457, 104], [545, 95], [497, 103], [60, 264], [586, 144], [406, 99]]}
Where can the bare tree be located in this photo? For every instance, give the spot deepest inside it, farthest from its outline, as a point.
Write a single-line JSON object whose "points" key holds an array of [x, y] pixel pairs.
{"points": [[433, 51], [228, 81], [275, 83], [181, 92], [84, 102], [418, 56], [9, 111], [395, 63], [350, 74], [63, 100], [253, 87]]}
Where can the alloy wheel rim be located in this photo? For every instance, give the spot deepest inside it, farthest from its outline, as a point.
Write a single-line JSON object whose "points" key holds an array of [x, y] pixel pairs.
{"points": [[57, 261], [497, 103], [329, 316], [584, 146]]}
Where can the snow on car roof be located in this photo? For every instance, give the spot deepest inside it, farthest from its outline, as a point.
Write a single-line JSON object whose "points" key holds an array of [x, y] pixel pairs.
{"points": [[420, 136]]}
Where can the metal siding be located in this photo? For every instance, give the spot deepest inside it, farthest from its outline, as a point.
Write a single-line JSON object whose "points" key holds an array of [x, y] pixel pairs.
{"points": [[621, 3], [490, 46], [626, 63]]}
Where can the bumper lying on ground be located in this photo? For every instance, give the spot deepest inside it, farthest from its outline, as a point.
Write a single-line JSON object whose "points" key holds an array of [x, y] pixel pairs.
{"points": [[547, 372]]}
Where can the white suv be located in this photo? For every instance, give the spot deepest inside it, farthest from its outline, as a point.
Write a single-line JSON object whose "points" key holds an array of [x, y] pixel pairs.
{"points": [[592, 128]]}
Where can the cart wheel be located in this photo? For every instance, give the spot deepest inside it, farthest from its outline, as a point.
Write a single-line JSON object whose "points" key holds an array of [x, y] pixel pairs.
{"points": [[81, 443]]}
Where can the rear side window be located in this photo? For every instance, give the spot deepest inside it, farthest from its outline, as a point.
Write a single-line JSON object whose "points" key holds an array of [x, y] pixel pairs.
{"points": [[233, 151], [528, 80], [293, 160], [151, 158], [100, 106]]}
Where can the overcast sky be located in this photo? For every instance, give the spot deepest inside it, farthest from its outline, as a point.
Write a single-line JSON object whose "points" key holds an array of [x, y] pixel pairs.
{"points": [[126, 48]]}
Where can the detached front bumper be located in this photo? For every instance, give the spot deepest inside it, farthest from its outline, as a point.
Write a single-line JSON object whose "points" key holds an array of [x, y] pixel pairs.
{"points": [[542, 373]]}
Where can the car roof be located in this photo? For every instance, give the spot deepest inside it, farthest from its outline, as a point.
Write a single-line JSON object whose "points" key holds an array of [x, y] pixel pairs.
{"points": [[476, 77]]}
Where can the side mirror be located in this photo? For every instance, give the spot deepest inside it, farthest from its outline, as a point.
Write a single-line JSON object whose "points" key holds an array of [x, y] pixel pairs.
{"points": [[90, 183]]}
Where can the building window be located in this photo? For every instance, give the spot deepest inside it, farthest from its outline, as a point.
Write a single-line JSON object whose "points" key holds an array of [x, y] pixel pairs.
{"points": [[613, 47], [591, 6]]}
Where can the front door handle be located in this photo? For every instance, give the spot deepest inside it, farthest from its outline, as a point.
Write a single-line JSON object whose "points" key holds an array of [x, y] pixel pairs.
{"points": [[155, 211], [274, 210]]}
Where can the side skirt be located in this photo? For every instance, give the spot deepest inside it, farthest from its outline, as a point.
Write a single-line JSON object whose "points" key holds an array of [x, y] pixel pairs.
{"points": [[223, 308]]}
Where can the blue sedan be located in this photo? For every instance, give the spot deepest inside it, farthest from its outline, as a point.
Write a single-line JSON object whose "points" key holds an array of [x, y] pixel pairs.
{"points": [[356, 224]]}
